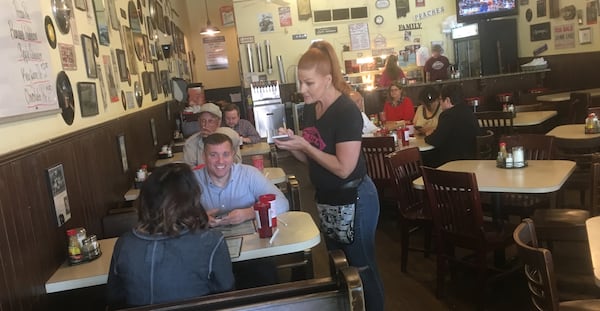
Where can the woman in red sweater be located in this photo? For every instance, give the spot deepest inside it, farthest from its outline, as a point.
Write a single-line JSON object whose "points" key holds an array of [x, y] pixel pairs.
{"points": [[398, 107]]}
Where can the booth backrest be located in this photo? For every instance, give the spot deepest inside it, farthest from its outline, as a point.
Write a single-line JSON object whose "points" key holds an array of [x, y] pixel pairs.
{"points": [[342, 291]]}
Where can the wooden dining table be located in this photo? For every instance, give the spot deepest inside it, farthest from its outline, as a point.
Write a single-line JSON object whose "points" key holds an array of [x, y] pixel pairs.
{"points": [[539, 176], [593, 232], [573, 132], [564, 96], [533, 118], [297, 233]]}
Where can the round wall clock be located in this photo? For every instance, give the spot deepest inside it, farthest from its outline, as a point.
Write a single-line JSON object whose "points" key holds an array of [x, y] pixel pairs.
{"points": [[378, 19]]}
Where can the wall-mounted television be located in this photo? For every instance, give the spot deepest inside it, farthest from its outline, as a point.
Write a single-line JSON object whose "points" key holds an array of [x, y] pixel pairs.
{"points": [[476, 10]]}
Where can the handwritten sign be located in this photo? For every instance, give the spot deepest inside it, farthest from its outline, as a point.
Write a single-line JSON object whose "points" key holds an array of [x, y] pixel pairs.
{"points": [[27, 80]]}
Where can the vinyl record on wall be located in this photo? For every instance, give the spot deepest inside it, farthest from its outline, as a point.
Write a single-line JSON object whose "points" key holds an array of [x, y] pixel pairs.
{"points": [[50, 31], [66, 101]]}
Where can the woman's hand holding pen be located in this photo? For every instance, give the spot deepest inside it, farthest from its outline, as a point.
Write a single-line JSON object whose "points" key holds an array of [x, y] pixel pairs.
{"points": [[293, 142]]}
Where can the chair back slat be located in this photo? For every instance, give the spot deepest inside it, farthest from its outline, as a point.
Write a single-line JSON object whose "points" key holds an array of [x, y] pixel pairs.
{"points": [[486, 146], [538, 267], [375, 149], [405, 166], [537, 146], [500, 122], [455, 205]]}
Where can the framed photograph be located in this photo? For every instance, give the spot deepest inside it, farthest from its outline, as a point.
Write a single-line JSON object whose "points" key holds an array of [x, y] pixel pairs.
{"points": [[57, 187], [67, 56], [153, 131], [153, 87], [112, 12], [147, 48], [122, 62], [585, 35], [122, 152], [138, 43], [88, 98], [88, 56], [127, 37], [101, 22], [81, 4]]}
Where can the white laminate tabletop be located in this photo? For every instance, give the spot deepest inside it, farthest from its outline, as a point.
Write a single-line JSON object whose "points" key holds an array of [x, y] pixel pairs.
{"points": [[254, 149], [275, 174], [540, 176], [593, 232], [176, 158], [300, 233], [571, 131], [564, 96], [297, 232], [529, 118], [83, 275]]}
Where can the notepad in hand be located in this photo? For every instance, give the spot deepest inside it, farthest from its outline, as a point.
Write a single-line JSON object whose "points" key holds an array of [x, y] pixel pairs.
{"points": [[234, 245]]}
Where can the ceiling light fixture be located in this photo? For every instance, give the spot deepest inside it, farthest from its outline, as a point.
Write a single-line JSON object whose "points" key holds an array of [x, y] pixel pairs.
{"points": [[209, 30]]}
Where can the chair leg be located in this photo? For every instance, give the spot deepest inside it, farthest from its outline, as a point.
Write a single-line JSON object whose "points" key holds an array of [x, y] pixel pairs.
{"points": [[481, 278], [427, 240], [404, 244]]}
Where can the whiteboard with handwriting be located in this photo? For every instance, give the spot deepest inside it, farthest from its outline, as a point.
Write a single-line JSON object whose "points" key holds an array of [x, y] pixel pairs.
{"points": [[27, 80]]}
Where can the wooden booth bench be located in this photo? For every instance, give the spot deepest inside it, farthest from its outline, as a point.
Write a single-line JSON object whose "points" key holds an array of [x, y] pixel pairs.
{"points": [[342, 291]]}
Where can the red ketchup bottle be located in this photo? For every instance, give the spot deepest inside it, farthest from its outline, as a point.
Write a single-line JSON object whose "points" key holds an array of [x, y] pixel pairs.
{"points": [[262, 210], [403, 135]]}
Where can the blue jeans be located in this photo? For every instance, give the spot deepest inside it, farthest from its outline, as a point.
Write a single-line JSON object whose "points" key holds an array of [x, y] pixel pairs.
{"points": [[361, 253]]}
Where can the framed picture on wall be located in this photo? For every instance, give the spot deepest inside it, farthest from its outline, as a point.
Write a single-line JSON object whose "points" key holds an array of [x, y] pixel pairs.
{"points": [[88, 99], [88, 56], [122, 63], [57, 187], [153, 131], [122, 152]]}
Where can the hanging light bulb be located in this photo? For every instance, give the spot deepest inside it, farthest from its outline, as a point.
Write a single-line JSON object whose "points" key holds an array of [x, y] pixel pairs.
{"points": [[209, 30]]}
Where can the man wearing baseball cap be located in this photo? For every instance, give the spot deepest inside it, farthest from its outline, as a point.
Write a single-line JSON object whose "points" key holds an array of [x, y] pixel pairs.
{"points": [[209, 120]]}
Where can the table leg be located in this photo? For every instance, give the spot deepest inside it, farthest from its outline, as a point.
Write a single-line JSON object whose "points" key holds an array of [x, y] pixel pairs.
{"points": [[498, 220]]}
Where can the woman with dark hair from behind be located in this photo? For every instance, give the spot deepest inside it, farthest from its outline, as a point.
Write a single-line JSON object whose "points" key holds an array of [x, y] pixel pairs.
{"points": [[455, 135], [170, 255], [391, 72]]}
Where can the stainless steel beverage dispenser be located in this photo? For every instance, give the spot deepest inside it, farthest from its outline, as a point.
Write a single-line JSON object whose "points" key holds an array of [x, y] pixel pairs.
{"points": [[269, 111]]}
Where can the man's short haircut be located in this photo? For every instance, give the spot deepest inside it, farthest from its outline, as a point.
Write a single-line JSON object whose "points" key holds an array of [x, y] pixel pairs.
{"points": [[454, 92], [217, 139], [231, 107]]}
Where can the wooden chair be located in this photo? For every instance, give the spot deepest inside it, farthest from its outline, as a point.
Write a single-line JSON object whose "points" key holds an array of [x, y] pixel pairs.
{"points": [[579, 103], [537, 147], [486, 146], [584, 152], [375, 149], [413, 211], [458, 223], [539, 272], [499, 122]]}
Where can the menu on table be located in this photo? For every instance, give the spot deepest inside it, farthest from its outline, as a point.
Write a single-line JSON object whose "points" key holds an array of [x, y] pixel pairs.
{"points": [[244, 228], [234, 244]]}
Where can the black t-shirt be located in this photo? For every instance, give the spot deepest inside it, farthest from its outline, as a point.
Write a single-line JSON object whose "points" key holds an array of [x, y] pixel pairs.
{"points": [[455, 136], [341, 122]]}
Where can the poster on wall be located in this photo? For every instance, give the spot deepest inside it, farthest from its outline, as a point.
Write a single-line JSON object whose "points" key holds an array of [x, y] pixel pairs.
{"points": [[285, 16], [591, 12], [26, 64], [227, 17], [58, 191], [265, 22], [215, 54], [359, 36], [564, 36]]}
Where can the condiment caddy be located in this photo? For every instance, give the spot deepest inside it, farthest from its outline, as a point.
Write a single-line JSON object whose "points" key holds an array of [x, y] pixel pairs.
{"points": [[509, 160], [82, 248], [592, 125]]}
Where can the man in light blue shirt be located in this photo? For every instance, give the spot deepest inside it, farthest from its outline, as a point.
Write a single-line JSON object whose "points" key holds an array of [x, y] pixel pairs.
{"points": [[229, 190]]}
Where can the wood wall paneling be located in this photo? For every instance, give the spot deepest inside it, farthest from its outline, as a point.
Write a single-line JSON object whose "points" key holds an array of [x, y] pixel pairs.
{"points": [[32, 246]]}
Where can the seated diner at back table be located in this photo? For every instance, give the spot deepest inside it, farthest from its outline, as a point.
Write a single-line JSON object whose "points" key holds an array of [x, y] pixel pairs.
{"points": [[397, 106]]}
